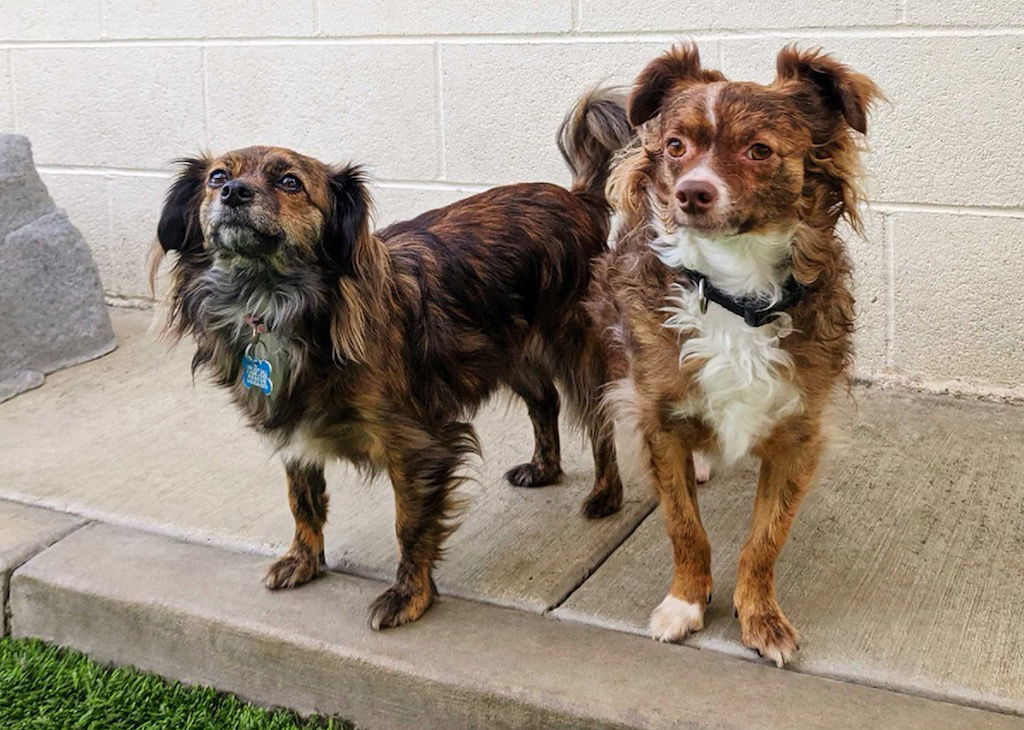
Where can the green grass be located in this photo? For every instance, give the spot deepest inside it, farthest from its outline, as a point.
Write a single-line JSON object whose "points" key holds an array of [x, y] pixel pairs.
{"points": [[46, 688]]}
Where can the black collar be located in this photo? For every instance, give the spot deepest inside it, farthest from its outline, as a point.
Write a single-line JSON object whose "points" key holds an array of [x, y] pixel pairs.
{"points": [[750, 309]]}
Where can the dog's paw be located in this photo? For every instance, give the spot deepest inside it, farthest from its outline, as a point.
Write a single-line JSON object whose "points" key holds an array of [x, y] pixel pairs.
{"points": [[531, 475], [602, 502], [701, 466], [397, 606], [674, 619], [770, 634], [292, 569]]}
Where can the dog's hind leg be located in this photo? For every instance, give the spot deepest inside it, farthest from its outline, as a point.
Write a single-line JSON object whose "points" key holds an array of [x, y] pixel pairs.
{"points": [[542, 402], [606, 496], [307, 495], [591, 377], [422, 466]]}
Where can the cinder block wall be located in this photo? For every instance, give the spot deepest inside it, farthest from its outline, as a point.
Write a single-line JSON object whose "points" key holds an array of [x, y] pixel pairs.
{"points": [[441, 99]]}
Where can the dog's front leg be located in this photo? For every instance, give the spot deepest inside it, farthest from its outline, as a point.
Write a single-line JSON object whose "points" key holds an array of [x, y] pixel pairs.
{"points": [[787, 468], [307, 496], [682, 610], [423, 467]]}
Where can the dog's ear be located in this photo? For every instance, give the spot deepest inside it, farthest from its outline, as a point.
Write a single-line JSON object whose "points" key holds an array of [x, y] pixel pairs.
{"points": [[179, 228], [349, 222], [838, 88], [670, 71]]}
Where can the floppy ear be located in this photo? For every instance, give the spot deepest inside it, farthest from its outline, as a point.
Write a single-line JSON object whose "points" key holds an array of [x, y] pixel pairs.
{"points": [[839, 88], [673, 69], [349, 222], [179, 228]]}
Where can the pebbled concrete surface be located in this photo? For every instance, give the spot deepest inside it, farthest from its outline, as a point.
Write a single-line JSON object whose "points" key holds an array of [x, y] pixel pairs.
{"points": [[905, 567], [904, 570], [25, 531], [193, 613], [128, 439]]}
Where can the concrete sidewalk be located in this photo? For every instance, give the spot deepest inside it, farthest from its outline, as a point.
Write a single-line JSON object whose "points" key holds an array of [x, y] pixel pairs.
{"points": [[904, 571]]}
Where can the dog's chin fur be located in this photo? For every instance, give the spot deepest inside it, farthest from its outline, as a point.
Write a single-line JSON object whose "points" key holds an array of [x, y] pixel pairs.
{"points": [[748, 265], [229, 292], [245, 244]]}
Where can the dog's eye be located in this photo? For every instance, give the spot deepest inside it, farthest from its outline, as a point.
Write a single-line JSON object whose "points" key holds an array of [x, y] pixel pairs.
{"points": [[218, 178], [759, 151], [675, 147], [289, 183]]}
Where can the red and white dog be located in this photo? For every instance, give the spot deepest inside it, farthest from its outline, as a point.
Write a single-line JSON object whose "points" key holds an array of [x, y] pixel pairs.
{"points": [[727, 302]]}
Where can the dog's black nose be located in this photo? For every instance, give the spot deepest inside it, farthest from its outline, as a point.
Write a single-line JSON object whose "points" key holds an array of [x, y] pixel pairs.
{"points": [[696, 196], [235, 193]]}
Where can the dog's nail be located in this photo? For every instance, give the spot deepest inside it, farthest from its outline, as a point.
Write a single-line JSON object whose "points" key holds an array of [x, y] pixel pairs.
{"points": [[709, 599]]}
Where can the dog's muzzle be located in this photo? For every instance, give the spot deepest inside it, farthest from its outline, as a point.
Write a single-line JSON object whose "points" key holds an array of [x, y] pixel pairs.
{"points": [[240, 238]]}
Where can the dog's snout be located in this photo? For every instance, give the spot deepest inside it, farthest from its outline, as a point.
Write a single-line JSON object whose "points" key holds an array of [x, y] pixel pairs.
{"points": [[236, 193], [696, 196]]}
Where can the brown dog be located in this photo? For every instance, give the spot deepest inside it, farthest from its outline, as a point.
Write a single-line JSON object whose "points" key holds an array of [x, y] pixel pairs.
{"points": [[339, 343], [727, 301]]}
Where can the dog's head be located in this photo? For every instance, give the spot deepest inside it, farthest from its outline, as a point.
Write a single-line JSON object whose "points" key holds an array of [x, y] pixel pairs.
{"points": [[728, 157], [266, 207]]}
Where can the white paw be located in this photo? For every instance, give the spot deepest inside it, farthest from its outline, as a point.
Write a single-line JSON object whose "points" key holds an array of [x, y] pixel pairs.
{"points": [[701, 466], [673, 619]]}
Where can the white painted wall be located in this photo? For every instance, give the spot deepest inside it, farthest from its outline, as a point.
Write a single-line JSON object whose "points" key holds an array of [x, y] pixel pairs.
{"points": [[442, 99]]}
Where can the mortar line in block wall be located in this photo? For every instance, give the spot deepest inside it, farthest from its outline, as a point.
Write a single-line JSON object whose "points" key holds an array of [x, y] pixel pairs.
{"points": [[14, 117], [9, 56], [206, 99], [442, 185], [104, 32], [991, 211], [103, 171], [318, 28], [108, 185], [439, 91], [436, 185], [543, 38], [577, 16], [890, 289]]}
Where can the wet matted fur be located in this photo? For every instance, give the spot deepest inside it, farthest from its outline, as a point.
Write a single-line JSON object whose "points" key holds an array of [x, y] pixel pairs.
{"points": [[390, 340], [744, 184]]}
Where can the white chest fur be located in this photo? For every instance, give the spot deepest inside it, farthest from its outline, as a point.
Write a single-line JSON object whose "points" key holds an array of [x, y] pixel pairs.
{"points": [[743, 388]]}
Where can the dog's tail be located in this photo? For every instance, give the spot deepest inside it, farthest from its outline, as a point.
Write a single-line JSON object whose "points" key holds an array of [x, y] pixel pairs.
{"points": [[592, 132]]}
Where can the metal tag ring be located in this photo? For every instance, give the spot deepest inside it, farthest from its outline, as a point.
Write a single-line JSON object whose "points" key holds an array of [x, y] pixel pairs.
{"points": [[701, 297], [253, 346]]}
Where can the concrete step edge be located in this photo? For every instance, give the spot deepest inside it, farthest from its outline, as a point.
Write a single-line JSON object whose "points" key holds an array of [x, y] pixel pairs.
{"points": [[199, 614]]}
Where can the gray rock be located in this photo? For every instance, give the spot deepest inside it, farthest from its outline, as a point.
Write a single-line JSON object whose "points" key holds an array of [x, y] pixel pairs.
{"points": [[52, 313], [18, 382]]}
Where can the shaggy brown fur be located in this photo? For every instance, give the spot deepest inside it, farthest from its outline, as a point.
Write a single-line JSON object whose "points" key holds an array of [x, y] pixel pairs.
{"points": [[777, 162], [384, 342]]}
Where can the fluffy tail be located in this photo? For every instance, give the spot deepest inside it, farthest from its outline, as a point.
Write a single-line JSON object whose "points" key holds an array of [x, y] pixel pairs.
{"points": [[591, 133]]}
